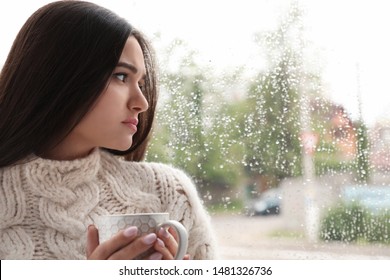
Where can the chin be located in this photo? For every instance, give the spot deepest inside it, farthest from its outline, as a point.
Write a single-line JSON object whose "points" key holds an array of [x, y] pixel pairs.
{"points": [[125, 148], [120, 146]]}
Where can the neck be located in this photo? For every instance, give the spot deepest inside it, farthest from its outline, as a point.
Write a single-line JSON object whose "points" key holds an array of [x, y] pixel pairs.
{"points": [[60, 153]]}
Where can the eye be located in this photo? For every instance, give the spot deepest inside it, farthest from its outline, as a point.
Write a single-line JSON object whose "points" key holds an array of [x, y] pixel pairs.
{"points": [[121, 76], [142, 87]]}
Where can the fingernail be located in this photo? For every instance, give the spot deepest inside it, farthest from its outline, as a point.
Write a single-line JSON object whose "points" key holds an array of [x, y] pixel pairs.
{"points": [[130, 231], [160, 242], [155, 256], [90, 227], [163, 233], [149, 239]]}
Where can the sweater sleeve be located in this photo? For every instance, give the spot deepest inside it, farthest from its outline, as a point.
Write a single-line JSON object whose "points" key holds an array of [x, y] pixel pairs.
{"points": [[180, 198]]}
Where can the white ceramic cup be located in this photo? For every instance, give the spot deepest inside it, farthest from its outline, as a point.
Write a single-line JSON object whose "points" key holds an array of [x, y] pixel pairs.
{"points": [[109, 225]]}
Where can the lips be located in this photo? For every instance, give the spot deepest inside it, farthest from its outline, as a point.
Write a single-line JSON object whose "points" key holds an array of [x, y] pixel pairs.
{"points": [[131, 123]]}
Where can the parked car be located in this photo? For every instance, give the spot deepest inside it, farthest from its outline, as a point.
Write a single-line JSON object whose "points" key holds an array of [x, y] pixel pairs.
{"points": [[375, 198], [268, 203]]}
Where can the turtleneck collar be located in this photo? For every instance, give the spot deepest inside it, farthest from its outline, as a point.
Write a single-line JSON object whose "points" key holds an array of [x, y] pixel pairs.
{"points": [[58, 179]]}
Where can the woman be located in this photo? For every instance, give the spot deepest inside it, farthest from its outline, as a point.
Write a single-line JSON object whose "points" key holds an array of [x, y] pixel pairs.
{"points": [[77, 98]]}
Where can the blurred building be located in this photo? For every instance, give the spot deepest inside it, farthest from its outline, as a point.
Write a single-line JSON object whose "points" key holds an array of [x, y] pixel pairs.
{"points": [[335, 129], [380, 146], [343, 133]]}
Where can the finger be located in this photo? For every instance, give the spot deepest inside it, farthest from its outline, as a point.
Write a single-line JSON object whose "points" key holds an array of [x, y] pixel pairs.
{"points": [[118, 241], [174, 234], [92, 239], [160, 247], [187, 257], [169, 241], [135, 248], [155, 256]]}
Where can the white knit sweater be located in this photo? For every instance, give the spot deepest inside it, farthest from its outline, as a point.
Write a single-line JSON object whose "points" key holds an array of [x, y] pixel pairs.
{"points": [[46, 205]]}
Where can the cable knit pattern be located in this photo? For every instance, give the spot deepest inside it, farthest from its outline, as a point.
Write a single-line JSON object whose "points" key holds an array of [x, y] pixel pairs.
{"points": [[13, 239], [46, 205]]}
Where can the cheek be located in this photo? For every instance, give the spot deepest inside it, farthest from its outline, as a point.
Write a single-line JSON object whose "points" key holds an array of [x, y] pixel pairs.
{"points": [[108, 107], [113, 100], [100, 116], [107, 112]]}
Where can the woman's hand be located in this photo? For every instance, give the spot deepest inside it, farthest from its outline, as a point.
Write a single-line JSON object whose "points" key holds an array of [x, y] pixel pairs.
{"points": [[125, 245], [167, 244]]}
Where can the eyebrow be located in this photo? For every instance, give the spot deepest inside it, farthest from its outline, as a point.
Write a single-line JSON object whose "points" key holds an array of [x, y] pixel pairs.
{"points": [[131, 67]]}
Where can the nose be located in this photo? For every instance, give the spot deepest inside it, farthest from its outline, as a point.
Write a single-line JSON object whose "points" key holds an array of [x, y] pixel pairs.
{"points": [[138, 101]]}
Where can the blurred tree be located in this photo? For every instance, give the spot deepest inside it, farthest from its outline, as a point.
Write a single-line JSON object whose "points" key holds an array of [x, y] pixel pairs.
{"points": [[179, 137], [192, 128], [272, 128]]}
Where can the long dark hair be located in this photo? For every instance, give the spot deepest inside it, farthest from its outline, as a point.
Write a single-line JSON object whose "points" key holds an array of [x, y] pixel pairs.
{"points": [[59, 64]]}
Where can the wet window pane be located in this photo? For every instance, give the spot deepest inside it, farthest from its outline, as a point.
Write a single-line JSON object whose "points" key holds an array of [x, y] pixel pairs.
{"points": [[286, 136]]}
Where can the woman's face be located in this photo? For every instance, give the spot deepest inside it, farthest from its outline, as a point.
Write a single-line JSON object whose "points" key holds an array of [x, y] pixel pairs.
{"points": [[112, 121]]}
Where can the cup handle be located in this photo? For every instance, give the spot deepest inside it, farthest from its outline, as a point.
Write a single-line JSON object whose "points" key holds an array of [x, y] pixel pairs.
{"points": [[183, 237]]}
